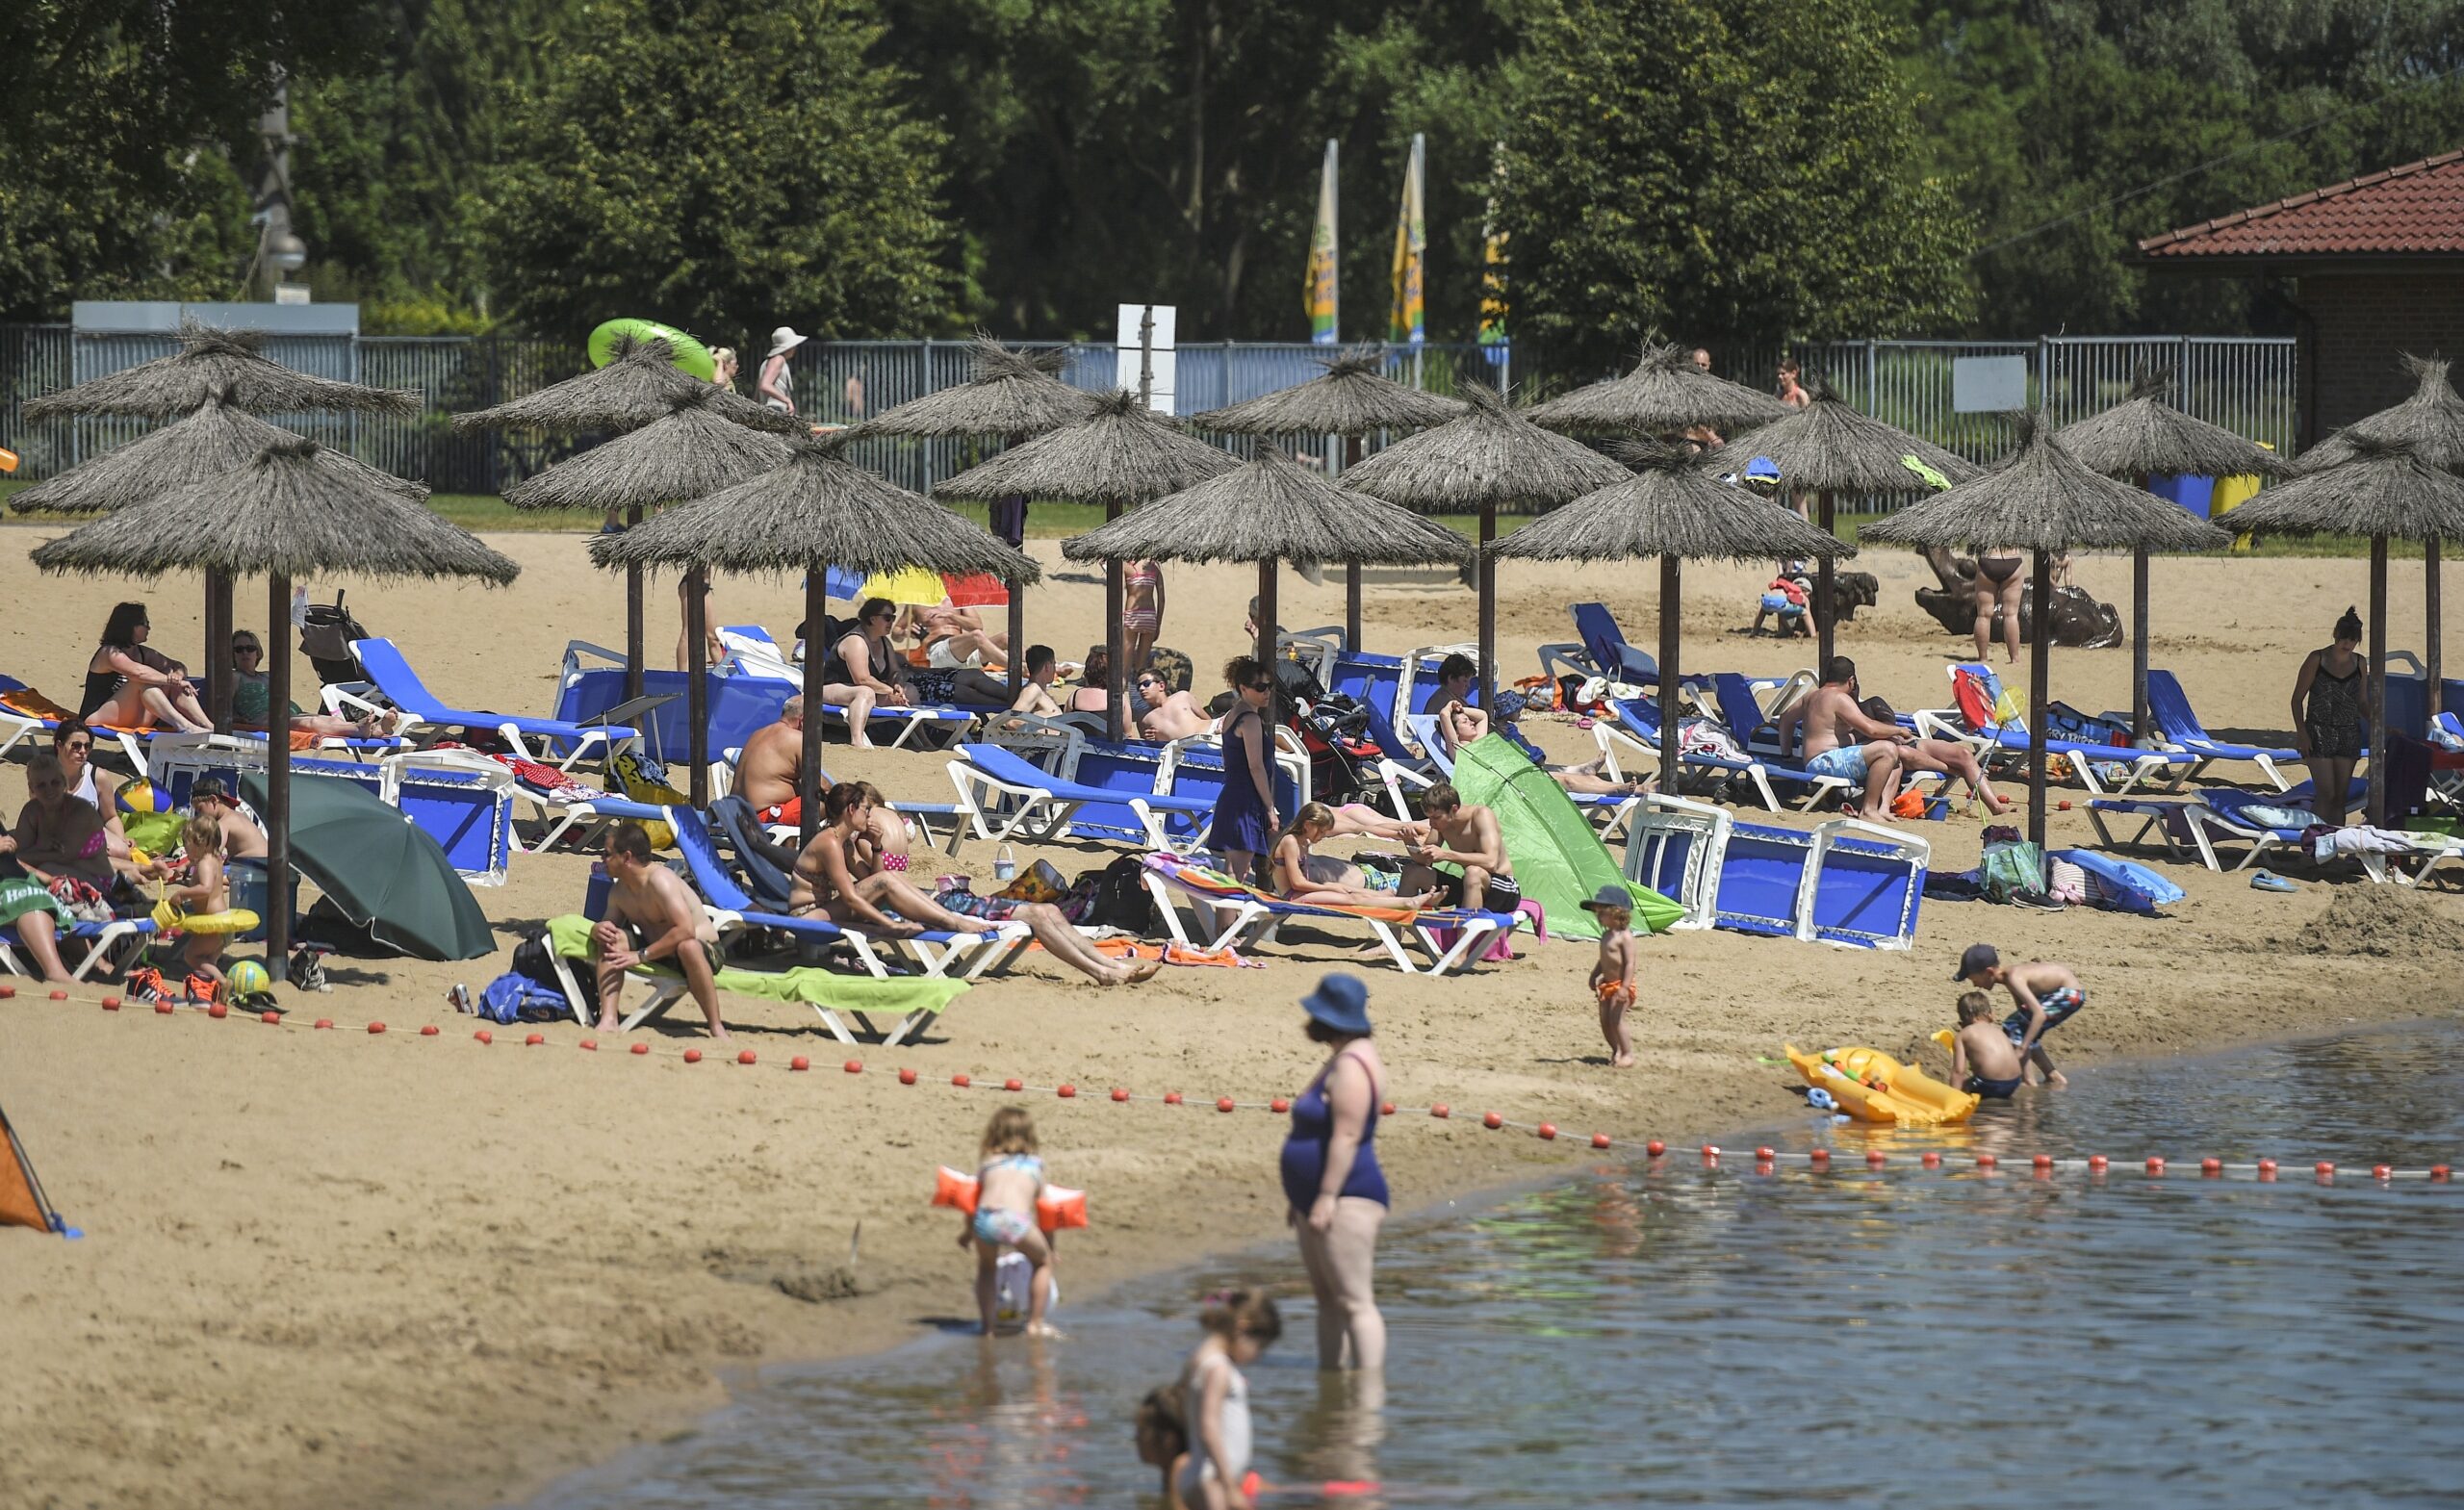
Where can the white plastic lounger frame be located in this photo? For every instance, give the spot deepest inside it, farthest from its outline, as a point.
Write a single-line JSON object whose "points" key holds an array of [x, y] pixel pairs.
{"points": [[1905, 848], [101, 944], [1605, 733], [1607, 811], [1705, 826], [999, 810], [1244, 922]]}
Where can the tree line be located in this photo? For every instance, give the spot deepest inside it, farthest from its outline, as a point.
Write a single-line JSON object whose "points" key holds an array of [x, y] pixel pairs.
{"points": [[1714, 169]]}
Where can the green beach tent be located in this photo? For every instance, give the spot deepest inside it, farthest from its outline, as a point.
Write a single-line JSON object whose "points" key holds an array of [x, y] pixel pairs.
{"points": [[1559, 860]]}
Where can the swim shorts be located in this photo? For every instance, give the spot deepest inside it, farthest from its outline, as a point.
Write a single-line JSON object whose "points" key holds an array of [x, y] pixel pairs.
{"points": [[1505, 895], [1001, 1227], [2059, 1008], [1993, 1090], [792, 810], [1844, 763], [638, 938]]}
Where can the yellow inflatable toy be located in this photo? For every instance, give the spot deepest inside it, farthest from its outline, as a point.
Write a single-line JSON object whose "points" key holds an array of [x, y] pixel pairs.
{"points": [[1872, 1086], [171, 920]]}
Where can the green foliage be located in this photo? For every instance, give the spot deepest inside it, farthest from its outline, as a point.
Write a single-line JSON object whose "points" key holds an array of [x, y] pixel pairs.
{"points": [[1690, 168], [722, 166]]}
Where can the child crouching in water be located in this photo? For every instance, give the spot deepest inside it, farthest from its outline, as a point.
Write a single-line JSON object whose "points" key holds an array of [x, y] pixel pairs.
{"points": [[1984, 1060], [1240, 1326], [1008, 1181], [1612, 978], [1164, 1439], [206, 893]]}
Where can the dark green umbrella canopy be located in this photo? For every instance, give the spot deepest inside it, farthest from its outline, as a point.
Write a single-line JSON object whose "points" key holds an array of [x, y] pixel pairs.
{"points": [[382, 871]]}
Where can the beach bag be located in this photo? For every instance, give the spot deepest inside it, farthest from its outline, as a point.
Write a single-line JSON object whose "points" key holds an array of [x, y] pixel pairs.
{"points": [[2011, 868], [1117, 897], [2066, 881], [533, 962], [644, 780], [1038, 882], [515, 997], [1908, 804]]}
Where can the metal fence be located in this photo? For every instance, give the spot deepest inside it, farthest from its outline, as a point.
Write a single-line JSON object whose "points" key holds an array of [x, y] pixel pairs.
{"points": [[2246, 385]]}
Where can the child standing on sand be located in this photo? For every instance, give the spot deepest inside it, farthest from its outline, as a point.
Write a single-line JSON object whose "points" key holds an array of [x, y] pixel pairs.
{"points": [[1612, 977], [1008, 1181], [1240, 1326], [205, 894], [1983, 1061], [2048, 995]]}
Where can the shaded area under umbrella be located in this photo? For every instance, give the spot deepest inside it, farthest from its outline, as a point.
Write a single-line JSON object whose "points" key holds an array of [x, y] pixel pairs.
{"points": [[1353, 398], [1490, 457], [2134, 441], [1668, 509], [2383, 489], [1120, 455], [283, 516], [814, 511], [2043, 500], [387, 877]]}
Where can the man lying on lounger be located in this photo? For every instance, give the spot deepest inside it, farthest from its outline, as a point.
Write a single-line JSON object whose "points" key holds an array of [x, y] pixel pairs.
{"points": [[835, 880], [652, 918], [766, 770]]}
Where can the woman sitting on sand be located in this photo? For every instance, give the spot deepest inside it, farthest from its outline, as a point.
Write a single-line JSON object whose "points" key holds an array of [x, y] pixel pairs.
{"points": [[131, 685], [1305, 877]]}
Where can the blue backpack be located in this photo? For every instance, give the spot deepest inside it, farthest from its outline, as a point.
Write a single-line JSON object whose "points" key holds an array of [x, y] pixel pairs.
{"points": [[514, 997]]}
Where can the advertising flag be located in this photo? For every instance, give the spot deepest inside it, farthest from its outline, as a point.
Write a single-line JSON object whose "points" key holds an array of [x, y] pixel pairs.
{"points": [[1320, 289], [1407, 321], [1492, 334]]}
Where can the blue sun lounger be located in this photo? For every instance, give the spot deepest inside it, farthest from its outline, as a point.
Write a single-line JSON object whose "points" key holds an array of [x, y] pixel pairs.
{"points": [[100, 941], [2170, 714], [1002, 796], [2137, 766], [1846, 881], [534, 738], [1601, 649]]}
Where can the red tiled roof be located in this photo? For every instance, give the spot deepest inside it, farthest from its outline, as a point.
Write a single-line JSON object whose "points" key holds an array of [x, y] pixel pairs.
{"points": [[2416, 208]]}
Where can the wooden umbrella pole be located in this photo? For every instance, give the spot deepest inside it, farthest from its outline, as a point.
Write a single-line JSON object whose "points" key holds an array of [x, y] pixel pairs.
{"points": [[1488, 591], [277, 779], [1116, 643], [2377, 809], [1669, 567], [1016, 654], [1267, 614], [2040, 669], [217, 651], [697, 691], [1822, 586], [2139, 645], [2430, 632], [1351, 607], [809, 764], [633, 618]]}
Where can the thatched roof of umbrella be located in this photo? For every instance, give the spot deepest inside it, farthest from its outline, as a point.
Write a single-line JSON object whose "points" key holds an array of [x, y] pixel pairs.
{"points": [[1352, 396], [1274, 509], [1122, 454], [642, 383], [1670, 508], [1830, 447], [205, 445], [1011, 392], [2143, 434], [2042, 497], [690, 454], [815, 509], [2432, 422], [228, 365], [1490, 456], [2383, 488], [278, 513], [1665, 393]]}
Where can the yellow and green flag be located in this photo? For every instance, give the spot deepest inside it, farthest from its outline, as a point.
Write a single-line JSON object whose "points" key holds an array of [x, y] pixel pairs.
{"points": [[1319, 289], [1493, 262], [1407, 321]]}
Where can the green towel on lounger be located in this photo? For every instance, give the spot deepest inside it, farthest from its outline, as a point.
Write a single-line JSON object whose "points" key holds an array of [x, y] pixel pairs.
{"points": [[570, 936]]}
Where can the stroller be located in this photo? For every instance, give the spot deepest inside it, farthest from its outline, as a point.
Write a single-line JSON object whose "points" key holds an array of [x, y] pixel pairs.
{"points": [[325, 632], [1333, 729]]}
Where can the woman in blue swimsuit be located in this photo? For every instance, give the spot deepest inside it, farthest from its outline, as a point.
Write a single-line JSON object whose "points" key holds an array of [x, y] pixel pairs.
{"points": [[1331, 1180]]}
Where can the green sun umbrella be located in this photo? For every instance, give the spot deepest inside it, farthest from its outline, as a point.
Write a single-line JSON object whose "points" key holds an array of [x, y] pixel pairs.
{"points": [[384, 872]]}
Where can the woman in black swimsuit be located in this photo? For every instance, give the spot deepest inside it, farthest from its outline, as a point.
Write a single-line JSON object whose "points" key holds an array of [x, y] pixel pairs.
{"points": [[130, 686], [1997, 580], [859, 670], [2330, 709]]}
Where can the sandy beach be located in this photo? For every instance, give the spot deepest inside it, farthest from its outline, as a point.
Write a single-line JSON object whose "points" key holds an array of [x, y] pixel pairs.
{"points": [[393, 1270]]}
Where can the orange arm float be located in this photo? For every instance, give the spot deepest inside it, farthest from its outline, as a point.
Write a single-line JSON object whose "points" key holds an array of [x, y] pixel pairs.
{"points": [[1058, 1207]]}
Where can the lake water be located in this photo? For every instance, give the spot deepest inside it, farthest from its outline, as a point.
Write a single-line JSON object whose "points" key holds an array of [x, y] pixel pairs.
{"points": [[1631, 1335]]}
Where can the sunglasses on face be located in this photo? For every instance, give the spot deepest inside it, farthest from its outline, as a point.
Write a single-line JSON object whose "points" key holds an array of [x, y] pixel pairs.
{"points": [[77, 746], [248, 649], [1261, 686]]}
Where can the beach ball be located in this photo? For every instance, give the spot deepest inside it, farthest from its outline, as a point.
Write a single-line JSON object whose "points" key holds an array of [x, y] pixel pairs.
{"points": [[144, 797], [247, 978]]}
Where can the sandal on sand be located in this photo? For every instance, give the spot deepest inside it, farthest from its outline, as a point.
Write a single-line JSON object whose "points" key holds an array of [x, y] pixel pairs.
{"points": [[2270, 881]]}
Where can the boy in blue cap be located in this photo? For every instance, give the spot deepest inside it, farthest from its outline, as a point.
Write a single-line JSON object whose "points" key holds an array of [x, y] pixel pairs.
{"points": [[1612, 977]]}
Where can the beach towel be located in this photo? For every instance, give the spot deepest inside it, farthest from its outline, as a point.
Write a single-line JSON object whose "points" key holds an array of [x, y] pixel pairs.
{"points": [[20, 895], [1559, 860], [570, 937]]}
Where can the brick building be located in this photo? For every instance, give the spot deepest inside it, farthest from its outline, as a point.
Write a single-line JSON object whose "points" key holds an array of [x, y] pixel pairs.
{"points": [[2371, 267]]}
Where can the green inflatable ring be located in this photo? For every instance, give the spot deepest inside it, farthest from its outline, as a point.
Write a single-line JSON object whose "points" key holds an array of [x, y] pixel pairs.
{"points": [[691, 355]]}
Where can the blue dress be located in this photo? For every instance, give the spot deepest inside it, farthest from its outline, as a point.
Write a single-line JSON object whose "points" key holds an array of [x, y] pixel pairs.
{"points": [[1312, 1132], [1240, 812]]}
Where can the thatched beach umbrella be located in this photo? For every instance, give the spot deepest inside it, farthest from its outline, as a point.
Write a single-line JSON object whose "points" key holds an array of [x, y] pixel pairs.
{"points": [[2132, 442], [1668, 509], [1351, 399], [813, 512], [1665, 394], [287, 517], [1492, 456], [642, 383], [2043, 500], [690, 452], [225, 365], [1122, 455], [1010, 396], [182, 453], [2432, 423], [1828, 449], [2388, 491], [1271, 511]]}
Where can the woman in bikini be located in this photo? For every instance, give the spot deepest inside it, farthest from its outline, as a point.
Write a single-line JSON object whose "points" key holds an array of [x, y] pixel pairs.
{"points": [[1142, 610], [130, 686], [2330, 712], [1997, 580], [1306, 877]]}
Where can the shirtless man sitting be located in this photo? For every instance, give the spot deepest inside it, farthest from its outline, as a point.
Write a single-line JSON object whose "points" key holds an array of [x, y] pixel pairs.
{"points": [[652, 916], [1170, 715], [767, 770], [1832, 737], [835, 876], [1455, 833], [1034, 694]]}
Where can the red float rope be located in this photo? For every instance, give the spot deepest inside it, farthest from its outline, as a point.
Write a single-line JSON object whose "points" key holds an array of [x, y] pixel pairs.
{"points": [[1766, 1160]]}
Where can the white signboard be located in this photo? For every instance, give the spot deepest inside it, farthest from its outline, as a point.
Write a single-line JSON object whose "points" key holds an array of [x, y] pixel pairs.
{"points": [[1157, 357], [1989, 384]]}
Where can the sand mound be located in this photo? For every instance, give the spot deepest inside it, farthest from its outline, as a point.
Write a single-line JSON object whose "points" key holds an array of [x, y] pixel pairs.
{"points": [[2382, 922]]}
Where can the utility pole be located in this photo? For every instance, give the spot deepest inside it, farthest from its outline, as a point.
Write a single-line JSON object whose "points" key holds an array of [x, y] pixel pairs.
{"points": [[280, 252]]}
